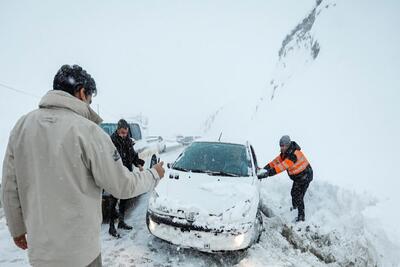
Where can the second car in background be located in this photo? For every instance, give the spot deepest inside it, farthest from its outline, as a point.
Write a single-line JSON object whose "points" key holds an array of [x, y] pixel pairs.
{"points": [[158, 141]]}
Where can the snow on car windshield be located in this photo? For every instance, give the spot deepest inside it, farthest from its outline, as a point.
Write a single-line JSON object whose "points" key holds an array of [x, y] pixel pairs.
{"points": [[215, 158]]}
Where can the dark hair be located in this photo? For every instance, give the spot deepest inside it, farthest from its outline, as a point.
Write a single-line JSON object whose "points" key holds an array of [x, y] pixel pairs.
{"points": [[123, 124], [73, 78]]}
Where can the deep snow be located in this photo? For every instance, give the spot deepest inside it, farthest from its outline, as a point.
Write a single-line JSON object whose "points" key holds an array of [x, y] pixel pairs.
{"points": [[336, 233]]}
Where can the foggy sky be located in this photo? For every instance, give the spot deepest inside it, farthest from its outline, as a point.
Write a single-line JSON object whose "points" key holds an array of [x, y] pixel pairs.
{"points": [[175, 62]]}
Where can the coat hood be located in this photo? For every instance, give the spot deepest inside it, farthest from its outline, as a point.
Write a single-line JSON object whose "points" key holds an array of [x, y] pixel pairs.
{"points": [[56, 99], [292, 148]]}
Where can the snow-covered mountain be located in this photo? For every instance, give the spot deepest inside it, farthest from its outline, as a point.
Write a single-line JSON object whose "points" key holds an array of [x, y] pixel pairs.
{"points": [[333, 88], [298, 48]]}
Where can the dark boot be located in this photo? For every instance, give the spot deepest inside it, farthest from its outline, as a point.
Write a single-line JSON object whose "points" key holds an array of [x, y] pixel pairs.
{"points": [[123, 225], [300, 218], [112, 231], [121, 215]]}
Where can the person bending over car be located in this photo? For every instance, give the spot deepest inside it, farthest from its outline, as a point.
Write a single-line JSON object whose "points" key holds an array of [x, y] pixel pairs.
{"points": [[292, 160]]}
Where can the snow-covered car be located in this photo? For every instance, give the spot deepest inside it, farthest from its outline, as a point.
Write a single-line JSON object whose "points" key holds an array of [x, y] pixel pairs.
{"points": [[187, 140], [158, 141], [209, 198], [179, 138]]}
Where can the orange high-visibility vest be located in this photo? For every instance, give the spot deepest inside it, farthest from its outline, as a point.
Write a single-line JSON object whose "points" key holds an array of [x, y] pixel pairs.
{"points": [[293, 168]]}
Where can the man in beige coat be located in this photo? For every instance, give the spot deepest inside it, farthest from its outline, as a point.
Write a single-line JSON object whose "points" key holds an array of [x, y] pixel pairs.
{"points": [[57, 162]]}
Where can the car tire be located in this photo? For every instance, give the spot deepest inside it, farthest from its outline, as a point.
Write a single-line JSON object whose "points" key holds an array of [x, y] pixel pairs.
{"points": [[148, 221]]}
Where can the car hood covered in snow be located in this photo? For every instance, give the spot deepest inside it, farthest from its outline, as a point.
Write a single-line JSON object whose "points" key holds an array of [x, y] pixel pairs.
{"points": [[205, 199]]}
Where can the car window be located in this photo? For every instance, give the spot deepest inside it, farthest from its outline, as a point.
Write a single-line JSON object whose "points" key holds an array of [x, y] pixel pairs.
{"points": [[109, 128], [215, 157], [135, 131]]}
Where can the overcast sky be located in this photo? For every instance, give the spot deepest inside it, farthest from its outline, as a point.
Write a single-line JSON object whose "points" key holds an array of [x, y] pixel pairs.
{"points": [[175, 62]]}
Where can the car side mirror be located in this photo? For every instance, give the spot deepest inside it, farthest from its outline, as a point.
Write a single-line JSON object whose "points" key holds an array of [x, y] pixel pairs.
{"points": [[262, 173], [169, 165]]}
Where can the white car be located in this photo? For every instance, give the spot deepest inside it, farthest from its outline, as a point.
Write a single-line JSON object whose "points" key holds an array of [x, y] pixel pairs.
{"points": [[158, 141], [209, 198]]}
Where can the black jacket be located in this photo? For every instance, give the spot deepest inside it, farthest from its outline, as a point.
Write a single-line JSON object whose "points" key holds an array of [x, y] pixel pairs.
{"points": [[126, 151]]}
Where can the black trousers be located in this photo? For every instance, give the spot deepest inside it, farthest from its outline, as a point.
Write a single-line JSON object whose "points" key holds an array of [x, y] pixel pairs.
{"points": [[299, 189], [121, 210], [122, 205]]}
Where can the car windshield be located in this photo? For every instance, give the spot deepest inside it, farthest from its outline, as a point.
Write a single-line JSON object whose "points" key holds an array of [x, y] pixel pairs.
{"points": [[215, 159], [109, 128]]}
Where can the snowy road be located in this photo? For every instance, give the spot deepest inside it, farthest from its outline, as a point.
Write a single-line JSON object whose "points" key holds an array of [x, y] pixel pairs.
{"points": [[335, 234]]}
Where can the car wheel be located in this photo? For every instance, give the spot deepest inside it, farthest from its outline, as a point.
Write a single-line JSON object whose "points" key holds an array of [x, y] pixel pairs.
{"points": [[153, 161], [148, 221]]}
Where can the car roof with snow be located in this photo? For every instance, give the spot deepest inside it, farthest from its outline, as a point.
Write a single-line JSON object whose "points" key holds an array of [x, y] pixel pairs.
{"points": [[237, 141]]}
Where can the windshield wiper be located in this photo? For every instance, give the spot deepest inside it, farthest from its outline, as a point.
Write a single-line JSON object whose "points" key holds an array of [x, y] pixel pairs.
{"points": [[213, 173], [221, 173], [198, 171], [180, 169]]}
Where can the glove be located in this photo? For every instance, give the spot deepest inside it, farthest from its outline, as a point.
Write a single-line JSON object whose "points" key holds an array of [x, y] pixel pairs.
{"points": [[262, 173]]}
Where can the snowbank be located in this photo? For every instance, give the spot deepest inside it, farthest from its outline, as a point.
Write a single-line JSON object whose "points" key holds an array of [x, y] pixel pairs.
{"points": [[336, 230]]}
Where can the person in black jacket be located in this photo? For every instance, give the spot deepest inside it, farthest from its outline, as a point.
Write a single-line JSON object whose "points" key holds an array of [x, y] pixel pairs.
{"points": [[129, 157], [292, 160]]}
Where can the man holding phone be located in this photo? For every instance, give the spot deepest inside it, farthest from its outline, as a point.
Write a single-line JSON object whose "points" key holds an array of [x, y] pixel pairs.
{"points": [[57, 162]]}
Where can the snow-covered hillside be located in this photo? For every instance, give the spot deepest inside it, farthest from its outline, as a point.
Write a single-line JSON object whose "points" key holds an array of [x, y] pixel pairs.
{"points": [[333, 90]]}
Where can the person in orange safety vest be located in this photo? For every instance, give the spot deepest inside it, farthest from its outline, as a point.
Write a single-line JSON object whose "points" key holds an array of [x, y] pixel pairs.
{"points": [[292, 160]]}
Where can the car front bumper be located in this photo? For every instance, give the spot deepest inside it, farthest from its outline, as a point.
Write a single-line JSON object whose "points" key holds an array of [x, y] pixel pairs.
{"points": [[200, 238]]}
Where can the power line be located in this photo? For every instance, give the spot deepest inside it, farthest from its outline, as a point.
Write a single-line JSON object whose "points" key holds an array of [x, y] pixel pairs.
{"points": [[37, 97], [18, 90]]}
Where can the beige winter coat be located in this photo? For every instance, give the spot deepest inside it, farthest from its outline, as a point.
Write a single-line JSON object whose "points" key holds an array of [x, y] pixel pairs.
{"points": [[57, 162]]}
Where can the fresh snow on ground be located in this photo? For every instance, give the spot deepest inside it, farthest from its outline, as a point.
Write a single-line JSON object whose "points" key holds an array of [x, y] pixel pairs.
{"points": [[334, 90], [336, 233]]}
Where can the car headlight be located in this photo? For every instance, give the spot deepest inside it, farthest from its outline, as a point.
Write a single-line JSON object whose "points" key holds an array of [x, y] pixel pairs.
{"points": [[239, 240], [190, 216]]}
